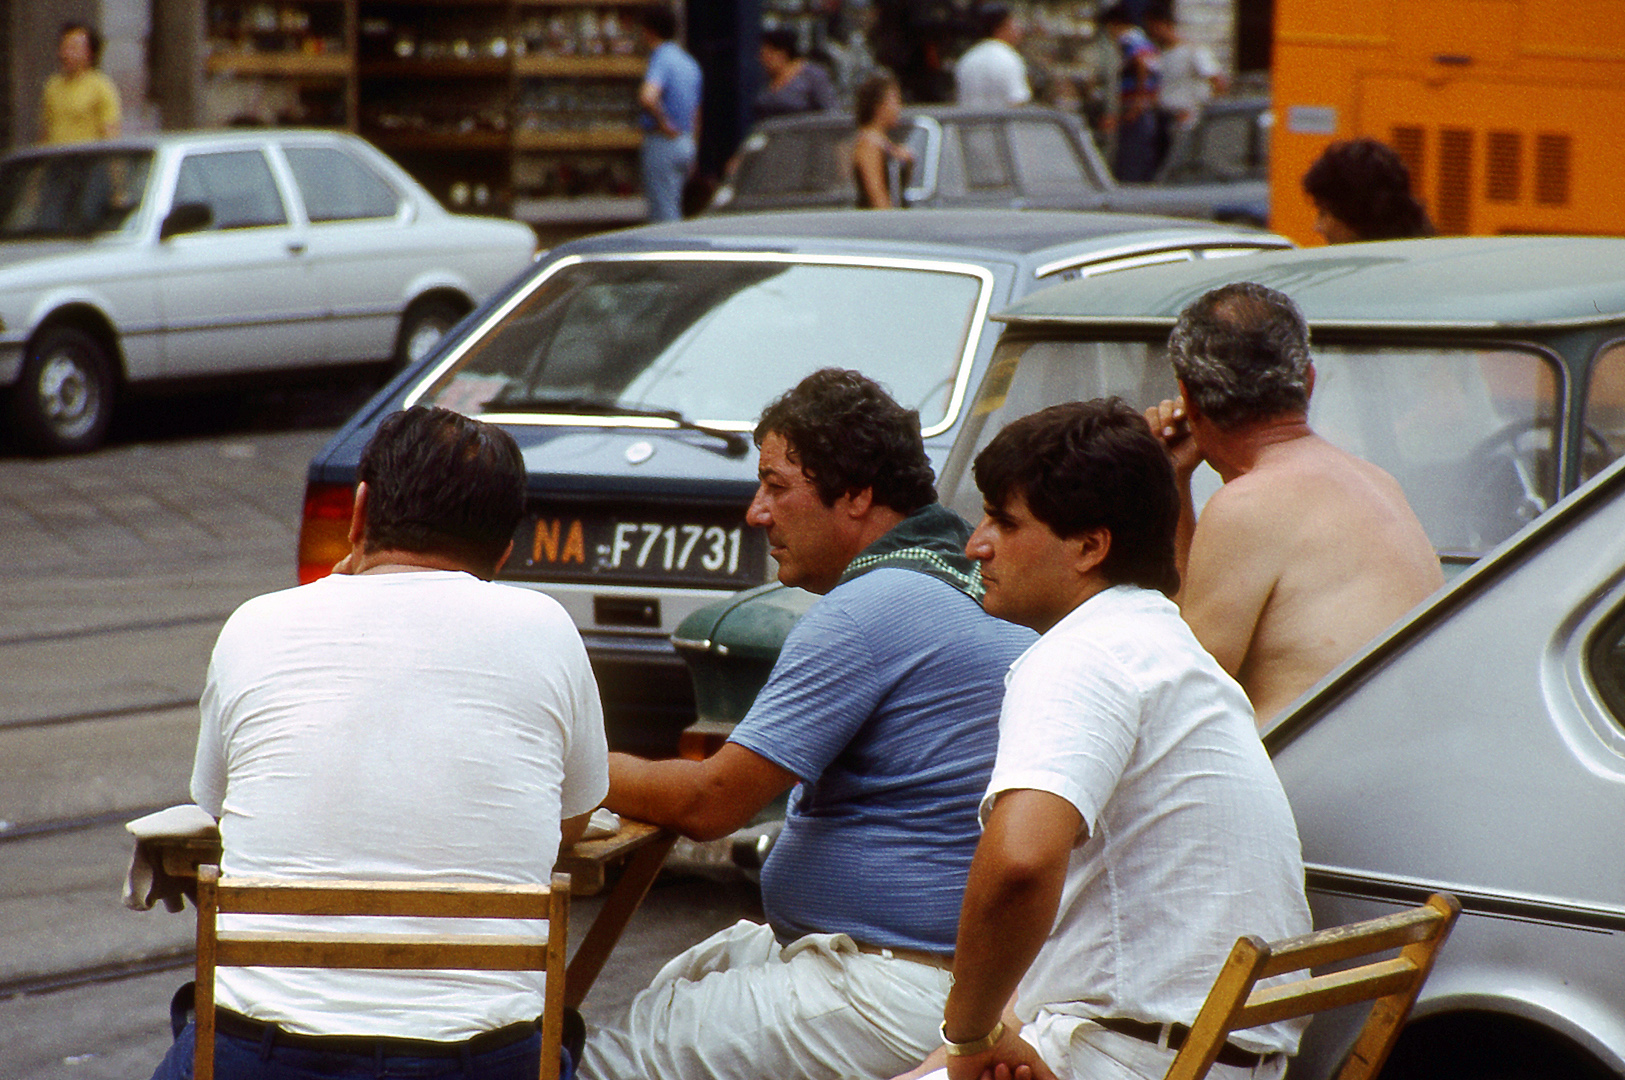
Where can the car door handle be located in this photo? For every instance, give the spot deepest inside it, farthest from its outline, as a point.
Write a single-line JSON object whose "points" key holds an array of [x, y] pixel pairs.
{"points": [[296, 247]]}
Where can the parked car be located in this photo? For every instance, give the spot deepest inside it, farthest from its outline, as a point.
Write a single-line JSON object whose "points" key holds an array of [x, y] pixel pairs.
{"points": [[632, 366], [1026, 157], [1478, 746], [1228, 145], [162, 259]]}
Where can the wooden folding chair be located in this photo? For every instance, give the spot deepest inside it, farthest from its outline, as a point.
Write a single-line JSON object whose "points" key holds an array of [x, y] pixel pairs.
{"points": [[1391, 984], [418, 952]]}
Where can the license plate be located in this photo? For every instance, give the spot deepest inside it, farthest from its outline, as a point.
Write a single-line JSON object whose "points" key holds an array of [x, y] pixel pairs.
{"points": [[716, 550]]}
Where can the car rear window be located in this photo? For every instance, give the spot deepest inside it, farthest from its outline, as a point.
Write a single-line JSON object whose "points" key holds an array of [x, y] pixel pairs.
{"points": [[717, 338], [1468, 432], [337, 187]]}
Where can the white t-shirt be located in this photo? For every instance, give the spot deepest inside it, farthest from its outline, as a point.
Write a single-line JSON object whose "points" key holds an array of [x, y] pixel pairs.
{"points": [[991, 75], [396, 726], [1191, 841], [1186, 70]]}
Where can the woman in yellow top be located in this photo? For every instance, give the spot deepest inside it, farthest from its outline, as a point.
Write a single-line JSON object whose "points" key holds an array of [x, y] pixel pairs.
{"points": [[79, 103]]}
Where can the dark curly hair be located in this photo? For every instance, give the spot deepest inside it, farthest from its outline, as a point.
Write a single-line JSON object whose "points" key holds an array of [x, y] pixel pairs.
{"points": [[1092, 464], [1242, 351], [439, 482], [848, 434], [1366, 186]]}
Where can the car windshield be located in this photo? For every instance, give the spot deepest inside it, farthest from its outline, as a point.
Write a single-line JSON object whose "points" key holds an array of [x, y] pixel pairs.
{"points": [[714, 339], [1467, 432], [71, 194]]}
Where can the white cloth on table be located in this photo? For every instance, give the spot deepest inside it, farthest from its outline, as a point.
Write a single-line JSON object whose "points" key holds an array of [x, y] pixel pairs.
{"points": [[146, 883], [739, 1006], [1191, 842]]}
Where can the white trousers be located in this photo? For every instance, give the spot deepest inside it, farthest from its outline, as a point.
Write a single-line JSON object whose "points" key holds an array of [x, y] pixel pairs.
{"points": [[738, 1006]]}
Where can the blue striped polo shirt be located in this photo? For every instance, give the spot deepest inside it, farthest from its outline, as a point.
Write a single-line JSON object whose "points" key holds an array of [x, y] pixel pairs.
{"points": [[885, 703]]}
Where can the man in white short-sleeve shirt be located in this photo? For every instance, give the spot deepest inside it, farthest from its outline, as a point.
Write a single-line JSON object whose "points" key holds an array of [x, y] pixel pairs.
{"points": [[992, 74], [406, 719], [1134, 826]]}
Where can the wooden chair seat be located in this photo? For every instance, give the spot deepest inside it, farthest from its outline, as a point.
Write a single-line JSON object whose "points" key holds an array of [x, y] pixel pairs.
{"points": [[517, 951], [1391, 983]]}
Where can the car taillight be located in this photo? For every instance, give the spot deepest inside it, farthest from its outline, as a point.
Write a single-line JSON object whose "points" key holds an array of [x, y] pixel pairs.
{"points": [[324, 531]]}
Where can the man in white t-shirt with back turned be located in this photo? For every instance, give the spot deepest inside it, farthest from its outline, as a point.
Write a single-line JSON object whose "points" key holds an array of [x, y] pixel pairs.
{"points": [[1133, 827], [407, 719], [992, 74]]}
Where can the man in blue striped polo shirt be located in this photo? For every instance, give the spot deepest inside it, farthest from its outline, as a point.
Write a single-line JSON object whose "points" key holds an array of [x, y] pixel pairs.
{"points": [[882, 711]]}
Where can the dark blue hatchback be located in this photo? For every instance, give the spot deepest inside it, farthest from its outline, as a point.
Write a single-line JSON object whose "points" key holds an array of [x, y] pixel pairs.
{"points": [[631, 367]]}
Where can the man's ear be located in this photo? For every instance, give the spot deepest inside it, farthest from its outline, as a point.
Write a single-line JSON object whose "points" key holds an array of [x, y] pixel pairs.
{"points": [[1191, 411], [1093, 547], [358, 514], [859, 502], [1309, 383]]}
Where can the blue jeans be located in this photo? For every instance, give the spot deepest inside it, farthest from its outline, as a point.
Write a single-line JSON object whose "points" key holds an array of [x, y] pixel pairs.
{"points": [[245, 1059], [666, 163]]}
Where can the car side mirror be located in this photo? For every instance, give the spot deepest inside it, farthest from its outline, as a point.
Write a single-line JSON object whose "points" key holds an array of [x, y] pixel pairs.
{"points": [[185, 218]]}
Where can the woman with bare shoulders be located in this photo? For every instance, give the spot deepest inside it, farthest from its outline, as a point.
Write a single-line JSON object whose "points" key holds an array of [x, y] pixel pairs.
{"points": [[878, 105]]}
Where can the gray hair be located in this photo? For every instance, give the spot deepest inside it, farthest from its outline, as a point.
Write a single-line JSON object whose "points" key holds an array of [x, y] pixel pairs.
{"points": [[1242, 352]]}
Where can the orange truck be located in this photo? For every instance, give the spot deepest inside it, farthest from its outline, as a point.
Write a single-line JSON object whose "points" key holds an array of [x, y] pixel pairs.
{"points": [[1510, 114]]}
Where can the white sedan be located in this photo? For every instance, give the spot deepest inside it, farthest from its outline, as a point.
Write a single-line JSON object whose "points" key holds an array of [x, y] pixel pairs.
{"points": [[186, 256]]}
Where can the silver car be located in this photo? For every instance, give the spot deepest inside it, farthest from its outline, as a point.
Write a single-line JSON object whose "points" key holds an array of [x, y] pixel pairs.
{"points": [[163, 259]]}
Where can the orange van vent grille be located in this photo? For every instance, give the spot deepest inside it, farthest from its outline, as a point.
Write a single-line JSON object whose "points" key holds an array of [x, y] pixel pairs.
{"points": [[1553, 157], [1503, 165], [1409, 143], [1452, 208]]}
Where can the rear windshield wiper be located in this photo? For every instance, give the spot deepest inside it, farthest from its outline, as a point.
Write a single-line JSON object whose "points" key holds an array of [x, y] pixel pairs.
{"points": [[735, 442]]}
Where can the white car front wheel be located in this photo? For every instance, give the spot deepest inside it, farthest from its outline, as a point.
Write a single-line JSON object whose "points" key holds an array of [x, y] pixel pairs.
{"points": [[64, 400]]}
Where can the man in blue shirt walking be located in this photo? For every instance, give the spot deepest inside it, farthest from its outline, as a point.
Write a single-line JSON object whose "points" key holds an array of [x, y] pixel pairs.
{"points": [[881, 712], [669, 100]]}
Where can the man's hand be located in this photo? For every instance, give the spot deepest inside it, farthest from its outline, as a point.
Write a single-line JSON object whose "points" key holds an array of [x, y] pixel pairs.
{"points": [[1012, 1058], [1169, 424]]}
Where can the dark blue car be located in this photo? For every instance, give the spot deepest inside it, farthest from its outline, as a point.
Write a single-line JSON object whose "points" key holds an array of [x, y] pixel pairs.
{"points": [[631, 367]]}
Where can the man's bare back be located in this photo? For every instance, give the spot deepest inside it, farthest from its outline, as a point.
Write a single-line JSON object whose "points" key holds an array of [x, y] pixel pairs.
{"points": [[1298, 562]]}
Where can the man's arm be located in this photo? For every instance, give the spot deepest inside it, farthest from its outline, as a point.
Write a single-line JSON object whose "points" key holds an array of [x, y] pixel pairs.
{"points": [[649, 98], [703, 800], [1011, 897], [572, 829], [1168, 423]]}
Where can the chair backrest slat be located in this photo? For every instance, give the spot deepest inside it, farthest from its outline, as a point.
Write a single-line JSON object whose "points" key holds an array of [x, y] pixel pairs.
{"points": [[1268, 1004], [542, 948], [1391, 983], [1340, 943]]}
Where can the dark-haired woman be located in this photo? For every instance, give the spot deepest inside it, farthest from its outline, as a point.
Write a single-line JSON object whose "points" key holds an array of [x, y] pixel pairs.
{"points": [[794, 84], [879, 106]]}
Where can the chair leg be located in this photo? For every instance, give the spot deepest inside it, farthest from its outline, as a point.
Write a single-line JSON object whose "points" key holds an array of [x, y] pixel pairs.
{"points": [[203, 996]]}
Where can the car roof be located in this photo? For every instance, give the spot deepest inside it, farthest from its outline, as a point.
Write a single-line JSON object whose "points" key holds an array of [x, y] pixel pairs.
{"points": [[961, 113], [205, 137], [957, 232], [1473, 283]]}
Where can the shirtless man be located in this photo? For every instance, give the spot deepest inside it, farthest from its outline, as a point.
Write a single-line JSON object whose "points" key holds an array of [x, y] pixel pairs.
{"points": [[1307, 552]]}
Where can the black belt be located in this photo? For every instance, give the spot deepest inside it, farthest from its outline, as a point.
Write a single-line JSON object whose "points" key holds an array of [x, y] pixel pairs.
{"points": [[236, 1024], [1229, 1054]]}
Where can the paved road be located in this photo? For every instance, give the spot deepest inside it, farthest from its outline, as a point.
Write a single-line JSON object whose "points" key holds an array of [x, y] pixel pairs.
{"points": [[120, 567]]}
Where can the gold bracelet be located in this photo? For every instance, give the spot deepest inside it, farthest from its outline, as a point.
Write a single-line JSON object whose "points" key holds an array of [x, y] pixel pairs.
{"points": [[975, 1046]]}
